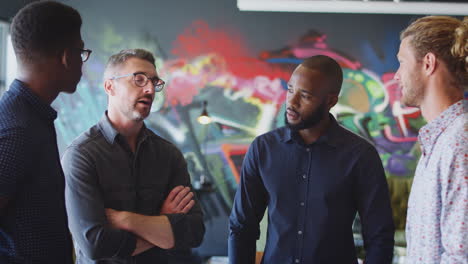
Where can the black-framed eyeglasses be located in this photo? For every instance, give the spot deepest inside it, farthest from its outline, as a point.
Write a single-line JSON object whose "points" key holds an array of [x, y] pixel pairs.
{"points": [[141, 80], [85, 54]]}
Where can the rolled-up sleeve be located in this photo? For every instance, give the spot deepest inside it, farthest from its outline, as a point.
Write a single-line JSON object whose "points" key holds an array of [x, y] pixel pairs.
{"points": [[249, 207], [86, 212], [188, 229]]}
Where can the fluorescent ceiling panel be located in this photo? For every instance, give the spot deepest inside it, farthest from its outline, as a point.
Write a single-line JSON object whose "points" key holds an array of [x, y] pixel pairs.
{"points": [[369, 7]]}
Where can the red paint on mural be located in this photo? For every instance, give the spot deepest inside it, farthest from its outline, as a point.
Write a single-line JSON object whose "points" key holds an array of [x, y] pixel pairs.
{"points": [[200, 39]]}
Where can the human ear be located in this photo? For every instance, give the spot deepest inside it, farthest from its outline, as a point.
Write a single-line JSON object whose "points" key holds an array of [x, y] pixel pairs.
{"points": [[109, 87], [429, 63], [332, 100], [65, 57]]}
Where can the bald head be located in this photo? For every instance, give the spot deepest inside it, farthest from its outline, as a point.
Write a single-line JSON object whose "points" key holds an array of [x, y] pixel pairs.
{"points": [[329, 68]]}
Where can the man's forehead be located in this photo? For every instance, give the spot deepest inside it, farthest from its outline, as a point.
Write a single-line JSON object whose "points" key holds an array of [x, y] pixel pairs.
{"points": [[307, 73], [139, 65], [406, 43], [309, 80], [77, 40], [402, 48]]}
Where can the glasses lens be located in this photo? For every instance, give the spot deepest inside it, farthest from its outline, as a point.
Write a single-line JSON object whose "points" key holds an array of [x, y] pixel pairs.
{"points": [[158, 85], [140, 79], [85, 55]]}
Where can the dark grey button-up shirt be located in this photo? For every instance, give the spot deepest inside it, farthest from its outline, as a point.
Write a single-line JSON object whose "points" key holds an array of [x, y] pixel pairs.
{"points": [[102, 172]]}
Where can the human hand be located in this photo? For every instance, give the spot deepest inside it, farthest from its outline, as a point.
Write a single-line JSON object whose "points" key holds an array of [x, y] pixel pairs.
{"points": [[178, 201], [117, 219]]}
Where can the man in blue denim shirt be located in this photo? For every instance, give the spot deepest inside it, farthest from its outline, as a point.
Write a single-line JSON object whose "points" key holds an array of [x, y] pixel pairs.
{"points": [[49, 51], [313, 175]]}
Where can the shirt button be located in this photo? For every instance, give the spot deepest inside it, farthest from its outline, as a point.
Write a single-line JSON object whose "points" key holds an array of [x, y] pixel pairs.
{"points": [[302, 204], [299, 232], [307, 149], [304, 176], [297, 261]]}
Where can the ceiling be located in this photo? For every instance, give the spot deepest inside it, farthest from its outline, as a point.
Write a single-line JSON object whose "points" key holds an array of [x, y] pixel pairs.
{"points": [[420, 7]]}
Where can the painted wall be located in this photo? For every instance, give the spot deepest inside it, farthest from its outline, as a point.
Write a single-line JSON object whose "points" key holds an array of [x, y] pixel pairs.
{"points": [[240, 62]]}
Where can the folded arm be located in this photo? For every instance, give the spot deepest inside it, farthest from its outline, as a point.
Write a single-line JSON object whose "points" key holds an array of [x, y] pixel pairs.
{"points": [[154, 230], [94, 236], [187, 221], [180, 222]]}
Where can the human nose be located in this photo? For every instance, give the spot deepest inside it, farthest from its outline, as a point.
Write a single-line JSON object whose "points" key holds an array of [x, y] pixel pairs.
{"points": [[292, 98], [149, 88], [397, 75]]}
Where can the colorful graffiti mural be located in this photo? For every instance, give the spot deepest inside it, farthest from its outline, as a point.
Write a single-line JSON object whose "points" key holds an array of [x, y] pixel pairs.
{"points": [[245, 97]]}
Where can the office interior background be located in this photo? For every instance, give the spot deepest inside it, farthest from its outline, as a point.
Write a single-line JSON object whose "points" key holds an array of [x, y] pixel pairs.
{"points": [[239, 62]]}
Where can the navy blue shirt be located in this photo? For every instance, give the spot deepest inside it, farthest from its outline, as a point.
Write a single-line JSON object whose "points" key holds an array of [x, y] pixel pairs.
{"points": [[312, 193], [33, 225]]}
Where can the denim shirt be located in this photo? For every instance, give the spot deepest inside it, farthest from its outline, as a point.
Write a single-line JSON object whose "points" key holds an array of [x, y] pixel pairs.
{"points": [[102, 172], [313, 193]]}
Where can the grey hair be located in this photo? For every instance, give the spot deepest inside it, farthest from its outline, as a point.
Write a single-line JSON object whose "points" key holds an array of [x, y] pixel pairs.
{"points": [[121, 57]]}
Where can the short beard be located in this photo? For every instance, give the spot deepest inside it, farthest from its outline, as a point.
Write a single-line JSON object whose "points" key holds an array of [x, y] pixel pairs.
{"points": [[134, 115], [413, 98], [414, 93], [138, 117], [309, 122]]}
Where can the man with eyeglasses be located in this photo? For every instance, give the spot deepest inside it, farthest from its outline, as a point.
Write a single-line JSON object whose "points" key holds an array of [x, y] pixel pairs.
{"points": [[128, 191], [49, 51]]}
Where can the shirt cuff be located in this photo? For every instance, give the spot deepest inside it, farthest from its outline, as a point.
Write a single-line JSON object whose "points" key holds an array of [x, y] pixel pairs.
{"points": [[128, 245], [178, 224]]}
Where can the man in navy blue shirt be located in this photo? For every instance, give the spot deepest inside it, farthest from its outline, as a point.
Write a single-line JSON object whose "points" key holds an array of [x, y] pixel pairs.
{"points": [[49, 50], [314, 176]]}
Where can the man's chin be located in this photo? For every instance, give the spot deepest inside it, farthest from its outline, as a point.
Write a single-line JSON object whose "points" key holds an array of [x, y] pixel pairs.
{"points": [[295, 127], [70, 89], [409, 102], [137, 116]]}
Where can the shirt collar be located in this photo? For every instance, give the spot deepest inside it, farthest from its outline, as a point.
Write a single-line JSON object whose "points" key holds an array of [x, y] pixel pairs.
{"points": [[110, 133], [330, 137], [429, 133], [43, 109]]}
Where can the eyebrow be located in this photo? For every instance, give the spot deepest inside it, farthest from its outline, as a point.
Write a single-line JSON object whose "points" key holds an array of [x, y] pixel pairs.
{"points": [[301, 90], [305, 91], [145, 73]]}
